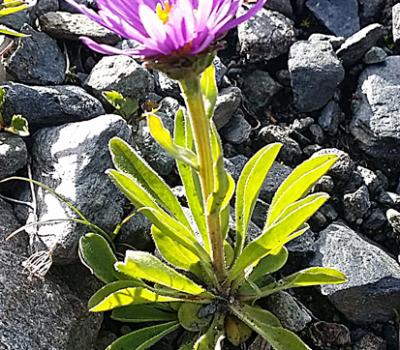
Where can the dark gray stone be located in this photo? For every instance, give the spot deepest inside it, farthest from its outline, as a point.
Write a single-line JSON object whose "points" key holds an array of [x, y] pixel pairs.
{"points": [[44, 6], [375, 55], [372, 180], [166, 86], [356, 205], [317, 134], [330, 117], [393, 216], [277, 174], [315, 73], [64, 6], [339, 16], [370, 342], [120, 73], [265, 36], [375, 222], [370, 10], [19, 19], [71, 26], [376, 107], [72, 160], [335, 41], [136, 233], [324, 184], [37, 59], [372, 292], [42, 313], [358, 44], [396, 23], [235, 165], [344, 166], [228, 101], [326, 334], [237, 130], [259, 88], [13, 154], [282, 6], [50, 105]]}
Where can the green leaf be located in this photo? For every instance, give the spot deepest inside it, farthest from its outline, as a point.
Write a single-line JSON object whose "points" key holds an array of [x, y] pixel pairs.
{"points": [[3, 94], [8, 31], [299, 183], [18, 126], [97, 255], [276, 236], [268, 326], [144, 338], [164, 139], [10, 10], [143, 313], [236, 331], [229, 253], [126, 106], [143, 265], [212, 339], [127, 160], [268, 265], [248, 188], [129, 296], [189, 319], [313, 276], [209, 90]]}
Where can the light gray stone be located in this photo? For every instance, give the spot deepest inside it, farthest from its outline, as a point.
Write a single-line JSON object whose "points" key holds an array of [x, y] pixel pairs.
{"points": [[315, 74], [13, 154], [265, 36], [339, 16], [373, 288], [228, 101], [71, 26], [50, 105], [335, 41], [375, 55], [393, 216], [396, 23], [72, 160]]}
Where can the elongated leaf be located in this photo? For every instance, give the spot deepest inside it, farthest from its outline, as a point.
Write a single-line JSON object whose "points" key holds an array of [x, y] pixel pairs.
{"points": [[313, 276], [298, 183], [212, 339], [97, 254], [143, 313], [273, 239], [144, 338], [130, 296], [248, 188], [8, 31], [268, 326], [163, 137], [142, 265], [209, 90], [269, 264], [10, 10], [189, 319], [127, 160]]}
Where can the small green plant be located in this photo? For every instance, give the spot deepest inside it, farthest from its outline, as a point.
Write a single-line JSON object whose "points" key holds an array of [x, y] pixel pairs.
{"points": [[125, 106], [18, 124]]}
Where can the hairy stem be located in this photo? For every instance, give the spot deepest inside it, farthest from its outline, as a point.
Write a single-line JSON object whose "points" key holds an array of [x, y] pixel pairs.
{"points": [[191, 89]]}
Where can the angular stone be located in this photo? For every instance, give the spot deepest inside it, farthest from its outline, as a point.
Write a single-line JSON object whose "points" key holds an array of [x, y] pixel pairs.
{"points": [[13, 154], [120, 73], [329, 334], [42, 314], [228, 101], [370, 10], [344, 166], [44, 6], [19, 19], [265, 36], [356, 204], [237, 130], [282, 6], [315, 74], [71, 26], [375, 55], [396, 23], [339, 16], [373, 288], [393, 217], [72, 160], [37, 59], [277, 174], [370, 342], [376, 106], [335, 41], [354, 48], [330, 117], [50, 105]]}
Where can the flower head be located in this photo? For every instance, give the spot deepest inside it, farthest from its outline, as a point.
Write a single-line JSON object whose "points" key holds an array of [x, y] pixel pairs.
{"points": [[165, 28]]}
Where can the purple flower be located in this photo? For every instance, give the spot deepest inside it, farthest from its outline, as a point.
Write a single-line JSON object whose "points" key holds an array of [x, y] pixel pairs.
{"points": [[166, 27]]}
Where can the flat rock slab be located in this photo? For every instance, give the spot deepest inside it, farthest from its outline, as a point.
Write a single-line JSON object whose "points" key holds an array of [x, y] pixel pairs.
{"points": [[338, 16], [70, 26], [37, 59], [372, 292], [50, 105], [41, 314], [376, 108], [72, 160], [13, 154]]}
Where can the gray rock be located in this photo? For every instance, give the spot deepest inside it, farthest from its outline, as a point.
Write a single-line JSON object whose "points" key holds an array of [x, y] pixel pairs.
{"points": [[37, 59], [260, 213], [169, 106], [344, 166], [375, 222], [120, 73], [72, 160], [358, 44], [259, 88], [330, 117], [44, 6], [292, 314], [356, 205], [260, 343], [315, 74], [393, 216], [339, 16], [42, 314], [265, 36], [317, 134], [50, 105], [388, 198], [370, 342], [373, 288], [136, 233], [13, 154], [19, 19], [237, 130], [375, 55], [228, 101], [375, 123], [291, 151], [235, 165], [8, 224], [335, 41], [325, 334], [166, 86], [370, 10], [71, 26], [324, 184], [277, 174], [372, 180], [282, 6], [396, 23]]}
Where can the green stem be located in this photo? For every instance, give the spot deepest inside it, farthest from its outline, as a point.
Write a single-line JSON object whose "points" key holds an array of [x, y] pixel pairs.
{"points": [[191, 89]]}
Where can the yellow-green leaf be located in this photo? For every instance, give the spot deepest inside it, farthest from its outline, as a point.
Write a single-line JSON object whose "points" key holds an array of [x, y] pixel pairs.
{"points": [[212, 339], [8, 31], [313, 276], [209, 90], [236, 331], [270, 264], [143, 313], [189, 319]]}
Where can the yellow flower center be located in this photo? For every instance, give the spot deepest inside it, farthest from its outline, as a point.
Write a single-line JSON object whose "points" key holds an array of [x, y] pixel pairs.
{"points": [[163, 11]]}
